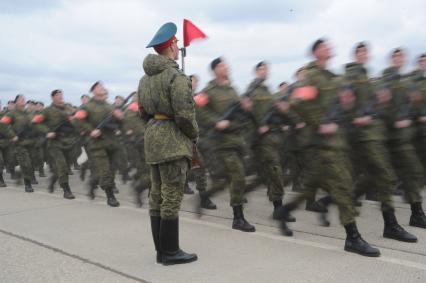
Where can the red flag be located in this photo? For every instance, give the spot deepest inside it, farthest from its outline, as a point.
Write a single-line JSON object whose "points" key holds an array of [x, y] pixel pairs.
{"points": [[191, 32]]}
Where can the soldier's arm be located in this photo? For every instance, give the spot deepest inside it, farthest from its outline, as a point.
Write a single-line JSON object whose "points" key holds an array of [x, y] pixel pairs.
{"points": [[183, 107], [80, 121], [6, 126], [40, 122]]}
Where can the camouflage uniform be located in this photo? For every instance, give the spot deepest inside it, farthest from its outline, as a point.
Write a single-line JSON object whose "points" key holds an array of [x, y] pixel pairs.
{"points": [[167, 106], [104, 149], [400, 141], [60, 149], [20, 126], [372, 167], [324, 163]]}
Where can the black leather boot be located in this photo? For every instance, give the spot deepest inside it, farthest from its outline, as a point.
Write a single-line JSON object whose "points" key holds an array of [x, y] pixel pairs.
{"points": [[2, 183], [111, 200], [418, 218], [276, 215], [239, 222], [315, 206], [52, 181], [28, 186], [356, 244], [155, 229], [205, 201], [394, 231], [67, 191], [169, 243], [93, 185]]}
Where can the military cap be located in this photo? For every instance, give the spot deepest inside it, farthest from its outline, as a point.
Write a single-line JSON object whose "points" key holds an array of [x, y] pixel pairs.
{"points": [[215, 62], [164, 37], [92, 88]]}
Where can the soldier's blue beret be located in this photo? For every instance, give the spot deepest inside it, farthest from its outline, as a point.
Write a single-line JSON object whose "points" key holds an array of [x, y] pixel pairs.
{"points": [[165, 33]]}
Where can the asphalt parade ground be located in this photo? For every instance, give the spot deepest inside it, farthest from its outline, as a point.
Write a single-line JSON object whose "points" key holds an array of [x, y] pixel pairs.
{"points": [[46, 238]]}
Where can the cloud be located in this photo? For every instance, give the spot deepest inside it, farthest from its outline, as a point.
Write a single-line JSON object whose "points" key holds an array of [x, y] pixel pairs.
{"points": [[69, 44]]}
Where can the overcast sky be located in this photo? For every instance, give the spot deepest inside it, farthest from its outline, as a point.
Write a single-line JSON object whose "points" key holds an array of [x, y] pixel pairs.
{"points": [[69, 44]]}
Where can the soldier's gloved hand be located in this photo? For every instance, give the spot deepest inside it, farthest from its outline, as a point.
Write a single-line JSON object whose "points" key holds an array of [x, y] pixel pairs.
{"points": [[328, 129], [402, 124], [300, 125], [263, 130], [362, 121], [95, 133], [118, 114], [129, 132], [15, 139], [422, 119], [222, 125], [51, 135]]}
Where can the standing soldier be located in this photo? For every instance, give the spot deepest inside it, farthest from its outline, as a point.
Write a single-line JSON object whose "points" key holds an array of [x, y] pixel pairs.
{"points": [[103, 144], [228, 146], [398, 118], [323, 159], [54, 123], [372, 168], [166, 104], [268, 138], [21, 132], [4, 144]]}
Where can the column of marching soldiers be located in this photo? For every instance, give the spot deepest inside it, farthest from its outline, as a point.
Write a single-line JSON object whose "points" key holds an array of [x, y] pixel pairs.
{"points": [[346, 134]]}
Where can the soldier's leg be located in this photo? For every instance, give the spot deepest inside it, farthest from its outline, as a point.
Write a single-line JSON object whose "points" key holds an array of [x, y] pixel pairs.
{"points": [[24, 161], [200, 176], [234, 166], [172, 177], [410, 172], [102, 163], [59, 161]]}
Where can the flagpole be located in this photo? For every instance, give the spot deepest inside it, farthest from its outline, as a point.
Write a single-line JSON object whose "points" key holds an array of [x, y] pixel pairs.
{"points": [[183, 55]]}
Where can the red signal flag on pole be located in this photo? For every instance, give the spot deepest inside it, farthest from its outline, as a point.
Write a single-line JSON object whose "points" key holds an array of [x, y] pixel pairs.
{"points": [[191, 32]]}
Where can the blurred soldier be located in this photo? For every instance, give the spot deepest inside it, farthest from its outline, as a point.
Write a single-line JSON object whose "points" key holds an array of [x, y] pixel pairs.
{"points": [[166, 104], [21, 132], [267, 140], [370, 158], [225, 135], [54, 123], [397, 115], [323, 160], [103, 144]]}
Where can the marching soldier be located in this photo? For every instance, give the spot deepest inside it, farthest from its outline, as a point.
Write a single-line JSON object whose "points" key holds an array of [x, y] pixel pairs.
{"points": [[21, 132], [323, 159], [397, 115], [167, 106], [54, 123], [103, 144], [370, 158], [225, 133]]}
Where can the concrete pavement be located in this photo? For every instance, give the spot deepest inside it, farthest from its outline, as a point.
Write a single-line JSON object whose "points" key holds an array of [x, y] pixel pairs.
{"points": [[46, 238]]}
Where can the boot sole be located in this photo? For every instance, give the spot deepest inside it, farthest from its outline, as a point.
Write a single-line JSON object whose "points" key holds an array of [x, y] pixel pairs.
{"points": [[363, 254], [400, 239], [418, 226], [167, 263], [239, 229]]}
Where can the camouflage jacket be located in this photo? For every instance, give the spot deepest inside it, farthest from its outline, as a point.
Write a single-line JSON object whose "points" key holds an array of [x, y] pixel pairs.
{"points": [[18, 123], [95, 112], [398, 108], [165, 91], [365, 105], [220, 98], [133, 122], [56, 118], [316, 111]]}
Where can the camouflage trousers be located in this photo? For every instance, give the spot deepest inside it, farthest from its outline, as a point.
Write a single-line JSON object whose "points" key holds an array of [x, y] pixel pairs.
{"points": [[136, 155], [24, 160], [373, 171], [101, 160], [420, 144], [409, 170], [268, 164], [234, 174], [167, 187], [59, 160], [327, 169]]}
